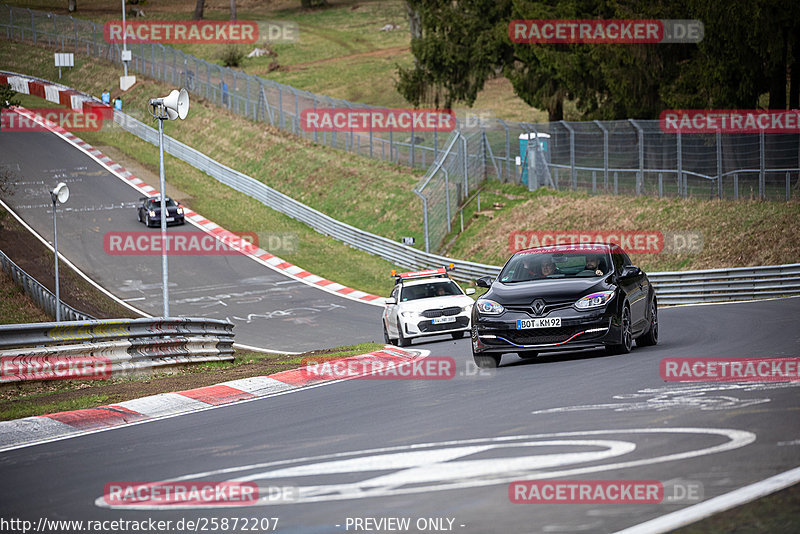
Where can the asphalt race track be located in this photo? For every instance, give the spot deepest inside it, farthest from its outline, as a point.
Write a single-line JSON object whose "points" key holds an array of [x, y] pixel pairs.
{"points": [[263, 304], [447, 450]]}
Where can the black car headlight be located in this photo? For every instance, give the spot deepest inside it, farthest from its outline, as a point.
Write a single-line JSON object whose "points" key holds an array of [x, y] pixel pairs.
{"points": [[595, 300], [489, 307]]}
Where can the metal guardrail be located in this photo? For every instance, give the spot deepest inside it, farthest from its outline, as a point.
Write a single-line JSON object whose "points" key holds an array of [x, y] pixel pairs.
{"points": [[724, 285], [714, 285], [123, 346], [42, 296]]}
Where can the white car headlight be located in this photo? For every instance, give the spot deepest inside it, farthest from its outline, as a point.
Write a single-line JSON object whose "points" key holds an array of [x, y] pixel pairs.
{"points": [[489, 307], [151, 213], [595, 300], [409, 313], [180, 211]]}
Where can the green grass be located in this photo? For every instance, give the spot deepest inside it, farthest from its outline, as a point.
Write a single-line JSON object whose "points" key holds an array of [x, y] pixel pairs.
{"points": [[35, 407], [15, 306]]}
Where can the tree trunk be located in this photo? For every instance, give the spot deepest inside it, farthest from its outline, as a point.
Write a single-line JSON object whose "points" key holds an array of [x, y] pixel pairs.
{"points": [[556, 113], [777, 83], [198, 10], [73, 6], [233, 9]]}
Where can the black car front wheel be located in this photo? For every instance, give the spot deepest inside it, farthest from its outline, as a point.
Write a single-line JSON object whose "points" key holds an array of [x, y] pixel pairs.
{"points": [[626, 336], [486, 361], [457, 335], [651, 337]]}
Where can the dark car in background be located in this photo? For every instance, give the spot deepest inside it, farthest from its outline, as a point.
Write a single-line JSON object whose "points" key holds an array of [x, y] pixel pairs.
{"points": [[149, 211], [564, 297]]}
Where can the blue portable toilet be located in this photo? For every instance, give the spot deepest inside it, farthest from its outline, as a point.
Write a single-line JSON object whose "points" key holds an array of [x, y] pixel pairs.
{"points": [[544, 146]]}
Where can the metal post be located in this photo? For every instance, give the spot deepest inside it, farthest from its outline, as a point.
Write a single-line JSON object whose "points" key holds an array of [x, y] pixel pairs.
{"points": [[735, 187], [605, 154], [573, 173], [616, 181], [594, 181], [761, 169], [719, 164], [466, 166], [660, 186], [640, 176], [424, 217], [164, 275], [124, 38], [55, 247], [681, 184], [447, 195], [788, 188]]}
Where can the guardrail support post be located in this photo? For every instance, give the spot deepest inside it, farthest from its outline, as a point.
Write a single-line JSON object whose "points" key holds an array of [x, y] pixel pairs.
{"points": [[719, 165]]}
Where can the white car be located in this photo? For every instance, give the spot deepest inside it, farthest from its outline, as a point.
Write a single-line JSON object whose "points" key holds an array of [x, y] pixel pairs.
{"points": [[426, 303]]}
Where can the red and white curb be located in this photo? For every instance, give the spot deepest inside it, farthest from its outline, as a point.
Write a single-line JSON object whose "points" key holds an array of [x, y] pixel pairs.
{"points": [[78, 101], [45, 428]]}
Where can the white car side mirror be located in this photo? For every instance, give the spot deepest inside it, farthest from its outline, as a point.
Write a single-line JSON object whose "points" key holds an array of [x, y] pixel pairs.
{"points": [[390, 300]]}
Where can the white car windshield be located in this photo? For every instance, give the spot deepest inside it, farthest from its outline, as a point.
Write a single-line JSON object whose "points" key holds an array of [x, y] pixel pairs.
{"points": [[432, 289]]}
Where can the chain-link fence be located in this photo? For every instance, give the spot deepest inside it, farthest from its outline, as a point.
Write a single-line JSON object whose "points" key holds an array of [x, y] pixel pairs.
{"points": [[632, 157]]}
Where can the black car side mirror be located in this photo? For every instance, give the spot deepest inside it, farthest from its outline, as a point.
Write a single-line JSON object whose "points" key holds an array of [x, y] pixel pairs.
{"points": [[631, 270], [484, 281]]}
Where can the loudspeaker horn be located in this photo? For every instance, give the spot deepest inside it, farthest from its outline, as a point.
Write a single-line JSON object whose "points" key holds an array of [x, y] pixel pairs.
{"points": [[176, 104]]}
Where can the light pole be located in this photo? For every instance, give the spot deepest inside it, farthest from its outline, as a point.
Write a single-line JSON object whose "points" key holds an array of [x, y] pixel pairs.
{"points": [[59, 195], [171, 107]]}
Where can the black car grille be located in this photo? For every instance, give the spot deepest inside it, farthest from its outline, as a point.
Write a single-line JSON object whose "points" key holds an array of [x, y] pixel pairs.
{"points": [[540, 336], [548, 306], [427, 326], [432, 314]]}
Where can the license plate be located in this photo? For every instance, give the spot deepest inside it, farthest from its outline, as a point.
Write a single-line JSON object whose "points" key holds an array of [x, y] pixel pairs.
{"points": [[441, 320], [546, 322], [170, 219]]}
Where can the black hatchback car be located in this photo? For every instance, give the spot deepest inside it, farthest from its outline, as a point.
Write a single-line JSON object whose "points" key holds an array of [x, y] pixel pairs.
{"points": [[149, 211], [564, 297]]}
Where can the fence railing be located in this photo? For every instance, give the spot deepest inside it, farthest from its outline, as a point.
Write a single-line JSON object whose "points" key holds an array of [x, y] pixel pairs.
{"points": [[630, 157], [113, 347], [40, 295]]}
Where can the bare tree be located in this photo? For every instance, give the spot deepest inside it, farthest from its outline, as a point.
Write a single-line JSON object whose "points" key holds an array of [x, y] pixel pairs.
{"points": [[233, 9], [198, 9]]}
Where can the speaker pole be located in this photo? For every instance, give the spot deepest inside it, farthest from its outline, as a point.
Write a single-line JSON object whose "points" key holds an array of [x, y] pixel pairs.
{"points": [[164, 271]]}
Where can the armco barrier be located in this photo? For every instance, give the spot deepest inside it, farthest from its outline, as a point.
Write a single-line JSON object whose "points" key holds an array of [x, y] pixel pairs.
{"points": [[127, 345], [42, 296], [716, 285]]}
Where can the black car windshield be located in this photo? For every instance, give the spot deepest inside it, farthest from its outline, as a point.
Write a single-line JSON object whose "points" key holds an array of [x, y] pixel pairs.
{"points": [[526, 266], [156, 203], [433, 289]]}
